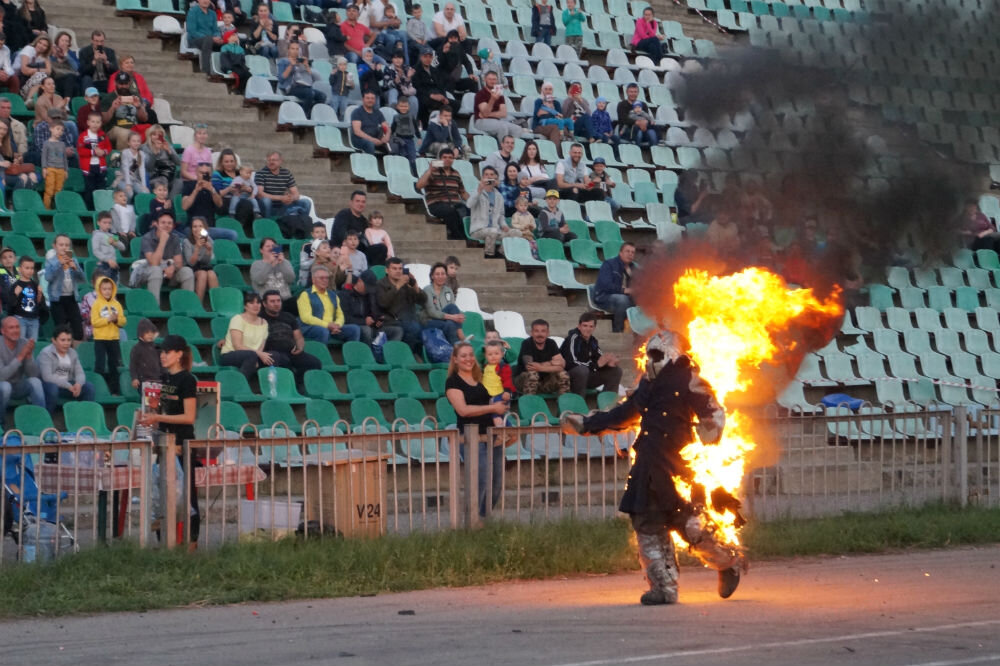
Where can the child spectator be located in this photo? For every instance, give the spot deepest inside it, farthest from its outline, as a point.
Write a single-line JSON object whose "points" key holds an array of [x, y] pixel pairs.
{"points": [[123, 217], [452, 264], [232, 59], [602, 180], [601, 121], [642, 125], [574, 20], [107, 316], [161, 203], [523, 221], [341, 84], [489, 62], [551, 221], [397, 83], [25, 299], [543, 22], [497, 377], [416, 31], [308, 254], [63, 273], [103, 244], [228, 25], [92, 149], [87, 303], [8, 271], [376, 235], [132, 172], [493, 336], [144, 361], [55, 167], [247, 190], [403, 133]]}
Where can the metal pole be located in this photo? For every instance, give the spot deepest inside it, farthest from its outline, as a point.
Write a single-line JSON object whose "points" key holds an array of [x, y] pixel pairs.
{"points": [[168, 486], [962, 433], [472, 462]]}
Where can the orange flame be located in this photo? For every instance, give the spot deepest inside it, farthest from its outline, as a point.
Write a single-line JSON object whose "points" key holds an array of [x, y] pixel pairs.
{"points": [[736, 323]]}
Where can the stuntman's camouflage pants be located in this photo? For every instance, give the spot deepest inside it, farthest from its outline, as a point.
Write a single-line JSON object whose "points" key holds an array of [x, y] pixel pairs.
{"points": [[530, 382]]}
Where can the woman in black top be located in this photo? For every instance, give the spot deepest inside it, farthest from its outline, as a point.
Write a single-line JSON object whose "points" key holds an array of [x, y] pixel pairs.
{"points": [[179, 409], [471, 402]]}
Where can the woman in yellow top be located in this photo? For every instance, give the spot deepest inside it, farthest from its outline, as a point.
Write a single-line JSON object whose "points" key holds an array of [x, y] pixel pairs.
{"points": [[243, 346]]}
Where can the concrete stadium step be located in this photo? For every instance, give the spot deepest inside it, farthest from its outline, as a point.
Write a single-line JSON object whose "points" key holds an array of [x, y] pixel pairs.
{"points": [[807, 479], [821, 454]]}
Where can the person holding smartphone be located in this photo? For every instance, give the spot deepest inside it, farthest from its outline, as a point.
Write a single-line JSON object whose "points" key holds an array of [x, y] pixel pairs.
{"points": [[445, 194], [296, 78], [486, 213], [491, 109]]}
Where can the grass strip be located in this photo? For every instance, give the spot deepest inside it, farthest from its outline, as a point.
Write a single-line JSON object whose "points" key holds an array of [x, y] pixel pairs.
{"points": [[125, 578]]}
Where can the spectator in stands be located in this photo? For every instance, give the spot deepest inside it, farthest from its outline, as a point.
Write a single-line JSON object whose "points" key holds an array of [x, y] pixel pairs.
{"points": [[357, 300], [397, 83], [430, 90], [552, 222], [232, 7], [357, 259], [490, 62], [602, 181], [137, 86], [442, 134], [723, 235], [123, 112], [107, 319], [49, 99], [577, 109], [19, 376], [490, 112], [486, 212], [455, 70], [547, 118], [613, 289], [162, 161], [600, 122], [9, 80], [442, 313], [92, 104], [635, 124], [272, 272], [98, 62], [199, 256], [60, 371], [587, 365], [501, 158], [446, 21], [574, 20], [524, 222], [203, 32], [391, 36], [445, 194], [368, 127], [452, 264], [540, 367], [132, 174], [533, 169], [510, 188], [543, 22], [285, 342], [104, 244], [417, 32], [144, 361], [341, 83], [691, 199], [296, 78], [398, 295], [23, 295], [320, 312], [93, 148], [14, 28], [55, 168], [334, 37], [352, 220], [64, 274], [979, 229], [8, 269], [199, 199], [263, 38], [65, 66], [376, 234], [293, 35], [227, 171], [35, 65], [357, 35], [648, 38], [243, 346], [13, 172], [279, 194], [403, 132], [32, 13], [17, 131], [572, 178], [163, 252]]}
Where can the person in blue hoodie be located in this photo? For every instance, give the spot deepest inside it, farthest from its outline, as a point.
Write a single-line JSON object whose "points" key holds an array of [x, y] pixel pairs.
{"points": [[613, 290]]}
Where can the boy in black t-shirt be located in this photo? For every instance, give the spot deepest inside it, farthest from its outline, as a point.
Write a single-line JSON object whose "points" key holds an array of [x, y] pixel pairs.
{"points": [[540, 366], [25, 299]]}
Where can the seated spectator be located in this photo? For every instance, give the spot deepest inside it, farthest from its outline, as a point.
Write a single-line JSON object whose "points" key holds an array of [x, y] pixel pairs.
{"points": [[231, 8], [452, 264], [161, 203], [532, 168], [543, 22], [320, 312], [502, 157], [98, 63], [123, 112], [577, 109], [613, 289], [455, 71], [490, 111], [523, 222], [370, 72], [233, 61], [350, 250], [12, 169], [540, 367], [551, 221], [724, 235], [357, 300], [201, 200], [510, 188], [92, 99], [35, 66], [403, 133], [490, 62], [9, 80], [442, 134], [18, 370], [600, 122], [203, 32], [279, 194], [244, 191], [48, 99], [547, 118], [200, 257], [431, 91], [308, 253], [293, 35], [163, 253], [63, 274], [376, 234], [635, 125], [296, 78], [162, 161], [691, 199], [486, 213], [368, 127], [391, 38], [444, 23], [352, 220], [587, 365], [137, 84], [237, 188], [132, 175], [272, 272], [575, 21], [398, 296], [144, 360], [65, 66], [341, 83], [572, 178], [648, 38], [397, 83], [61, 373], [602, 181], [442, 313], [445, 194], [285, 342], [263, 39], [357, 35]]}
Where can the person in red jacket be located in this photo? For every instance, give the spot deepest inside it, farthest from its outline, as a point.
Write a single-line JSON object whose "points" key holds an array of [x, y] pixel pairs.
{"points": [[93, 149]]}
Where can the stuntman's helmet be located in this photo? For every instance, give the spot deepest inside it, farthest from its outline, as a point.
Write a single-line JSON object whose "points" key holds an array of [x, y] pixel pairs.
{"points": [[663, 348]]}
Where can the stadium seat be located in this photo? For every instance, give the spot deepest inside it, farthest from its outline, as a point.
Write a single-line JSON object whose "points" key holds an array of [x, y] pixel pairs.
{"points": [[358, 355], [284, 386], [277, 419], [399, 355], [363, 383], [404, 383], [320, 384], [31, 420]]}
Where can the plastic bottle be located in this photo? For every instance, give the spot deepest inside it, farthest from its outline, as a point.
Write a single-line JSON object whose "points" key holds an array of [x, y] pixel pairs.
{"points": [[272, 381], [673, 218]]}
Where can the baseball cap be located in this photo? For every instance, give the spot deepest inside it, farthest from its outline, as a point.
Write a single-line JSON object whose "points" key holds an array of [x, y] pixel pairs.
{"points": [[122, 77], [174, 343], [484, 53], [425, 50], [552, 193], [601, 99], [91, 91], [600, 160]]}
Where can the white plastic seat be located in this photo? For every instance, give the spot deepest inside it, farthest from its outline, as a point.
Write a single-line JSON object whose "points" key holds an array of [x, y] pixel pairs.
{"points": [[467, 300], [181, 135], [509, 324], [290, 113], [422, 273], [163, 112], [167, 25]]}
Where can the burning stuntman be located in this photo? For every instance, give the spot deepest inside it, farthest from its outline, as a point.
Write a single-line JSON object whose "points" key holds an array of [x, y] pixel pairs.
{"points": [[665, 404]]}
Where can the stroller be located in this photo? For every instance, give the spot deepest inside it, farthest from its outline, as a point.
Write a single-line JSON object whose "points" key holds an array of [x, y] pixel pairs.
{"points": [[29, 516]]}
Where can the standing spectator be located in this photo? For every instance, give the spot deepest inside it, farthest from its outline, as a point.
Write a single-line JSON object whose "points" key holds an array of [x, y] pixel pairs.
{"points": [[65, 66], [403, 132], [355, 257], [62, 375], [272, 272], [368, 127], [357, 299], [397, 83], [296, 78], [452, 64], [123, 112], [92, 104], [103, 244], [132, 174], [587, 365], [441, 134], [25, 299], [8, 269], [577, 109], [144, 360], [398, 295], [442, 313], [334, 37], [490, 62], [97, 62], [9, 80], [264, 33], [243, 346], [284, 341], [320, 312], [416, 31], [647, 36], [123, 223], [574, 20], [430, 89], [200, 257], [55, 167], [543, 22], [446, 21], [92, 150], [547, 118], [357, 35], [341, 83], [63, 273], [491, 110], [203, 32], [572, 178], [162, 250], [107, 318], [161, 203], [32, 13], [19, 376], [445, 194], [540, 367], [279, 194], [613, 289], [552, 222], [486, 213], [602, 181], [162, 161]]}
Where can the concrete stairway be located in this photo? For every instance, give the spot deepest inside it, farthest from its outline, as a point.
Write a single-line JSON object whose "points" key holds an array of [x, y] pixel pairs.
{"points": [[694, 26]]}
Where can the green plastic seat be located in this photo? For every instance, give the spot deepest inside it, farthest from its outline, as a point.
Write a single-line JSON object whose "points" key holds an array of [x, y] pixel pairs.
{"points": [[584, 252], [320, 384], [987, 259], [69, 201], [445, 413], [550, 248], [225, 301], [880, 296], [967, 298], [125, 413], [85, 414], [474, 326], [367, 408], [938, 298], [220, 327], [187, 328], [31, 420], [265, 227], [187, 303], [325, 414], [232, 416], [514, 351], [274, 413], [27, 223], [359, 355], [234, 386], [322, 352], [437, 379], [233, 225], [606, 399], [606, 231], [102, 394], [85, 352], [228, 252], [69, 224], [230, 276], [284, 386], [140, 303], [365, 166], [363, 383], [560, 273], [399, 355], [29, 201], [128, 392], [17, 107], [404, 383], [283, 12], [530, 405], [572, 402], [411, 411]]}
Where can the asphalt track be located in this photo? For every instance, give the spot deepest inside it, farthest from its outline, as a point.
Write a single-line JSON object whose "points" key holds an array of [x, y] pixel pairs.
{"points": [[937, 608]]}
